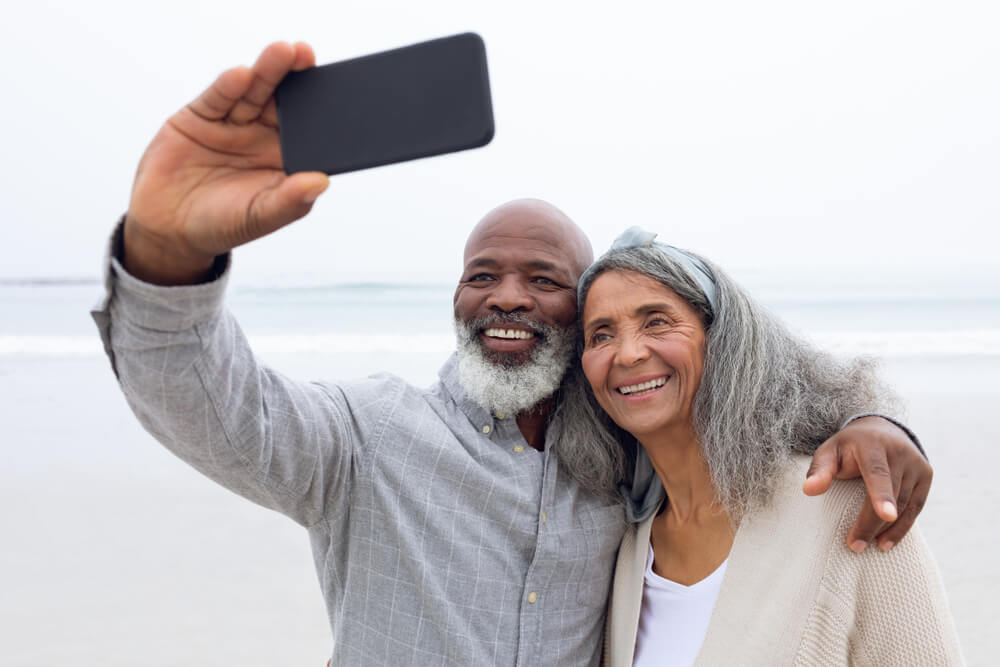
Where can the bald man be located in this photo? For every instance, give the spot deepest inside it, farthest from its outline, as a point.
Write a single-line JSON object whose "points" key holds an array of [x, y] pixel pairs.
{"points": [[445, 529]]}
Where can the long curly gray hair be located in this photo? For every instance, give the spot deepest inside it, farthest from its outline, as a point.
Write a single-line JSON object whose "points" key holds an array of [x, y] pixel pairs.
{"points": [[764, 392]]}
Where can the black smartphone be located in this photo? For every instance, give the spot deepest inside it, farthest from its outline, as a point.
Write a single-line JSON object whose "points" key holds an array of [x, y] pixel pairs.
{"points": [[421, 100]]}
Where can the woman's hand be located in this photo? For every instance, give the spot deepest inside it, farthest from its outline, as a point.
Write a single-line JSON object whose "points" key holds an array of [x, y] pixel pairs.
{"points": [[896, 474], [212, 177]]}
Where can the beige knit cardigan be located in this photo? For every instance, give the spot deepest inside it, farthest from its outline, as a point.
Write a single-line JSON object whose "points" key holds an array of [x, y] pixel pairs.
{"points": [[793, 594]]}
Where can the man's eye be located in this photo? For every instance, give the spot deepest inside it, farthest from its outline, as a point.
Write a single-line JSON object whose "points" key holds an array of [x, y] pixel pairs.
{"points": [[542, 280], [480, 277]]}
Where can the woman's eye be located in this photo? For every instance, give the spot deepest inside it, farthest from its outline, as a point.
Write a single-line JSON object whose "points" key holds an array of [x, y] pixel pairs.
{"points": [[599, 337], [657, 322]]}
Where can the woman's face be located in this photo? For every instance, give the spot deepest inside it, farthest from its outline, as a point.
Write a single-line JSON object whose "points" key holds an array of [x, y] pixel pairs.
{"points": [[644, 350]]}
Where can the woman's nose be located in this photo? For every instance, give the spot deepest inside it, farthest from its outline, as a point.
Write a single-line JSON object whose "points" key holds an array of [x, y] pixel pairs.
{"points": [[631, 350]]}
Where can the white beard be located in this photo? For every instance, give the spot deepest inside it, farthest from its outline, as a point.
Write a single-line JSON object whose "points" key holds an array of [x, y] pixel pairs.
{"points": [[512, 389]]}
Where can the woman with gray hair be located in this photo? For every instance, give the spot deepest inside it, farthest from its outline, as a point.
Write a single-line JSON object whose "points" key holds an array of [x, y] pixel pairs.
{"points": [[734, 564]]}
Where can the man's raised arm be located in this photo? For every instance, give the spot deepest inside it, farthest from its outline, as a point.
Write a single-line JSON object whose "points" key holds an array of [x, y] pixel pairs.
{"points": [[212, 178]]}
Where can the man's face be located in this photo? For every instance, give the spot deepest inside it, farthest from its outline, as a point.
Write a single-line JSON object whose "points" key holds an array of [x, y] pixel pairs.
{"points": [[515, 308], [516, 275]]}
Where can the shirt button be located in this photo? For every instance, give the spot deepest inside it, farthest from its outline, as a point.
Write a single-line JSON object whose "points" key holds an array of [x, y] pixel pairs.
{"points": [[486, 428], [544, 517], [499, 415], [532, 596], [518, 449]]}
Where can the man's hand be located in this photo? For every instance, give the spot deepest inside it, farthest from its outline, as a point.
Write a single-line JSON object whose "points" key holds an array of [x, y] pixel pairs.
{"points": [[212, 177], [896, 474]]}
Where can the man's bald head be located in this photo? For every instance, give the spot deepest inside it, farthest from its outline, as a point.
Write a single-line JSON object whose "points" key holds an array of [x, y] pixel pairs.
{"points": [[538, 220]]}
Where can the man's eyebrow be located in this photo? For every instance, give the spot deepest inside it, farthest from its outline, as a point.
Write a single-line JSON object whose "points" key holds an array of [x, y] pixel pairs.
{"points": [[542, 265], [482, 262], [534, 264]]}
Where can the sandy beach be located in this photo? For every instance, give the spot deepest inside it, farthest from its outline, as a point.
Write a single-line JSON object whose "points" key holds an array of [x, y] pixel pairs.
{"points": [[116, 553]]}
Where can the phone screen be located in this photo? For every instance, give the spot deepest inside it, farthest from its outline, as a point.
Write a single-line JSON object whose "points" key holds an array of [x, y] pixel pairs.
{"points": [[421, 100]]}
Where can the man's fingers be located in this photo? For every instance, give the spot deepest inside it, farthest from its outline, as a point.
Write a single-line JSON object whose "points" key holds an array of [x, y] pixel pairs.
{"points": [[825, 464], [907, 515], [269, 115], [304, 56], [879, 483], [865, 528], [220, 98], [288, 201], [272, 65]]}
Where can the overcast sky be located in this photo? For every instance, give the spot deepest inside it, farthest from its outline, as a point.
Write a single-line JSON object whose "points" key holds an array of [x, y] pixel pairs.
{"points": [[836, 135]]}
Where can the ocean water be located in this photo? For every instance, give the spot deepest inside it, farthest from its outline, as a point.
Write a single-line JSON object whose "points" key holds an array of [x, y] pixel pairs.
{"points": [[116, 553], [368, 324]]}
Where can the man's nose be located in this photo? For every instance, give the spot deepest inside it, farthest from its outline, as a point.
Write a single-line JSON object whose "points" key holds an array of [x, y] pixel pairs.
{"points": [[509, 295]]}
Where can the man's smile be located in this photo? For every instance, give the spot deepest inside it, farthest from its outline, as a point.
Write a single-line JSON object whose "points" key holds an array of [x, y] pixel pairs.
{"points": [[508, 337], [508, 333]]}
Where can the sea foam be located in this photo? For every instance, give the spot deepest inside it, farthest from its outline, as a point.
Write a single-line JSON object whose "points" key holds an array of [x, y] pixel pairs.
{"points": [[885, 344]]}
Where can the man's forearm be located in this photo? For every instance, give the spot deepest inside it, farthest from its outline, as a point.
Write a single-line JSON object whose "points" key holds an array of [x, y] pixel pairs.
{"points": [[189, 375]]}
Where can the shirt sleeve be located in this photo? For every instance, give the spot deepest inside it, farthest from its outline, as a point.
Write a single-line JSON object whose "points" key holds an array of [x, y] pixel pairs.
{"points": [[903, 427], [188, 373]]}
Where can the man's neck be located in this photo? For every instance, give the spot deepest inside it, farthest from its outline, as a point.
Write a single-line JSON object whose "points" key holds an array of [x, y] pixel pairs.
{"points": [[534, 422]]}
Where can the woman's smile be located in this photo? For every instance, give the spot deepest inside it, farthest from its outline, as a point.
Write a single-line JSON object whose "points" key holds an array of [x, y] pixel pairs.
{"points": [[640, 388]]}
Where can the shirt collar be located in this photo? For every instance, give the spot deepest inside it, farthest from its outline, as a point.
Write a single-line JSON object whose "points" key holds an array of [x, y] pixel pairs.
{"points": [[477, 414]]}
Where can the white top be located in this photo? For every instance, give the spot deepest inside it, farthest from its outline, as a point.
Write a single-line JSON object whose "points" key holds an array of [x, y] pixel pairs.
{"points": [[674, 618]]}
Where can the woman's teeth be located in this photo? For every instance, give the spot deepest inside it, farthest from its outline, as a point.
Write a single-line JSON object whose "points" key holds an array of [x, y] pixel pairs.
{"points": [[509, 333], [642, 387]]}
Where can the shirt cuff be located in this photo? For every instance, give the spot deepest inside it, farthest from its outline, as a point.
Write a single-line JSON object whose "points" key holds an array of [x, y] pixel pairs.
{"points": [[902, 426], [157, 307]]}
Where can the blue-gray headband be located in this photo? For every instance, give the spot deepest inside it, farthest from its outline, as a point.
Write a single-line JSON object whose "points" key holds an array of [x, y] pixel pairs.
{"points": [[637, 237]]}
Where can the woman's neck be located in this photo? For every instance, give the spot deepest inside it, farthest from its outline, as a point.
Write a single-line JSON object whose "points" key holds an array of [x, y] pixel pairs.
{"points": [[693, 534]]}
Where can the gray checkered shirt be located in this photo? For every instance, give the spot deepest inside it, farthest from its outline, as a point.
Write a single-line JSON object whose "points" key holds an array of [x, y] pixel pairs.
{"points": [[440, 537]]}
